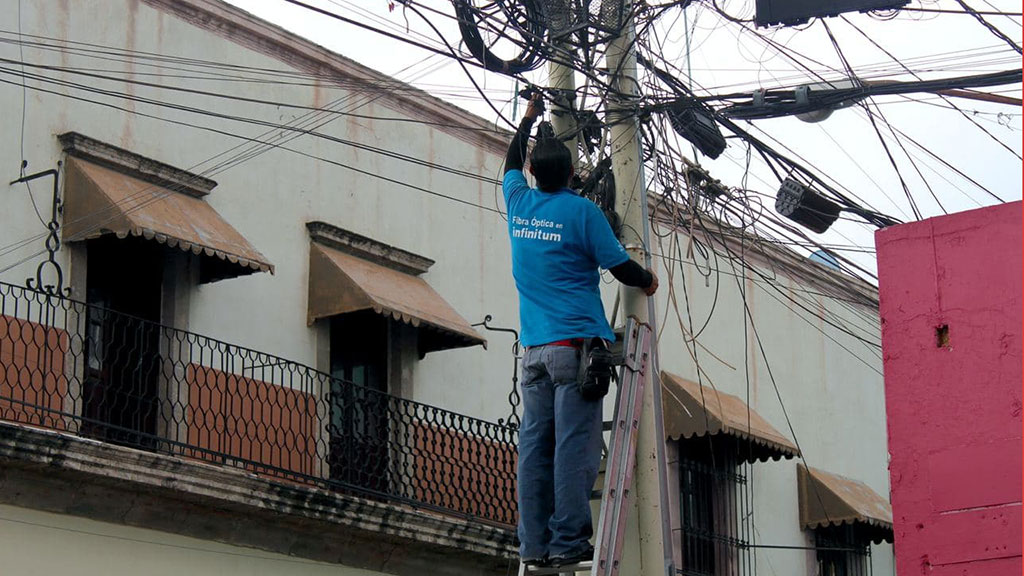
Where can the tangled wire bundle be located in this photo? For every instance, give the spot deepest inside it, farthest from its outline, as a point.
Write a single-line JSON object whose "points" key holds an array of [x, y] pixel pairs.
{"points": [[524, 16]]}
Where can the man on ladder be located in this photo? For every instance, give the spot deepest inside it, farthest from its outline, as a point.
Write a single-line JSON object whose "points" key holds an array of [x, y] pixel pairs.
{"points": [[559, 242]]}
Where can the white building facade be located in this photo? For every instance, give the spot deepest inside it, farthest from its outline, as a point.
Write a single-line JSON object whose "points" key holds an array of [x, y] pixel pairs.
{"points": [[263, 348]]}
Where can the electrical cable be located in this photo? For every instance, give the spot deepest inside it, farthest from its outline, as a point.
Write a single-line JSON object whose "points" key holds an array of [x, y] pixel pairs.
{"points": [[995, 31], [965, 13], [239, 98], [24, 113], [787, 53], [318, 158], [255, 121], [915, 75], [156, 197], [874, 126], [530, 56]]}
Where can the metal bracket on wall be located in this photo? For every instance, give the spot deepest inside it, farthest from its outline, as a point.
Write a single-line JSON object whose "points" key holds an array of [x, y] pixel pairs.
{"points": [[53, 243], [513, 397]]}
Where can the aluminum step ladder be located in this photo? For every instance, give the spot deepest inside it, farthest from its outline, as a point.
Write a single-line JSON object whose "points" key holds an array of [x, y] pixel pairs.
{"points": [[619, 462]]}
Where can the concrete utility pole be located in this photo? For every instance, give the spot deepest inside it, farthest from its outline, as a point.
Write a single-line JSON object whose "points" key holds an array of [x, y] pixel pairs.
{"points": [[561, 78], [650, 490]]}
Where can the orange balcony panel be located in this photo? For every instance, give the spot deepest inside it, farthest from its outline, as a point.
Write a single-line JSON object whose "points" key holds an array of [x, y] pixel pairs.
{"points": [[33, 382]]}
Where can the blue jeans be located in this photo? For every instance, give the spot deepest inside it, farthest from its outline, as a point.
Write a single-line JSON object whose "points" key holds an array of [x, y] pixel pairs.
{"points": [[559, 455]]}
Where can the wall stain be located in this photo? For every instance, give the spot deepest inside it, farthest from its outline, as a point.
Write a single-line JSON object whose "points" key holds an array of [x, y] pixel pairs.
{"points": [[127, 131]]}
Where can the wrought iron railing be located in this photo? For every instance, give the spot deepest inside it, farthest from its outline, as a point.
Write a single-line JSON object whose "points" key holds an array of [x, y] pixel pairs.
{"points": [[86, 370]]}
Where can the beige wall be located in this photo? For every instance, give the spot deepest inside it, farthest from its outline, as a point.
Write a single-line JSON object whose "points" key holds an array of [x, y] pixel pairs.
{"points": [[34, 543], [830, 383]]}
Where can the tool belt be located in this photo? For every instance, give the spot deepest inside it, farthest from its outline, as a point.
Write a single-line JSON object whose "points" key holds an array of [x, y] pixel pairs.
{"points": [[597, 369]]}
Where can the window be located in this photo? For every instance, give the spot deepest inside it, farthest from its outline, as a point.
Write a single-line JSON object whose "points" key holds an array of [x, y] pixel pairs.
{"points": [[713, 500], [359, 428], [380, 314], [842, 551], [142, 261]]}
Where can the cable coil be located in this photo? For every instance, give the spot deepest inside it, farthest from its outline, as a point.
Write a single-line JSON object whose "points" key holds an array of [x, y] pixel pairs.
{"points": [[527, 18]]}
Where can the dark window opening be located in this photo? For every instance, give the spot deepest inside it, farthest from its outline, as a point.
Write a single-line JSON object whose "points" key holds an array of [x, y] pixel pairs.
{"points": [[122, 354], [360, 404], [713, 502], [842, 551]]}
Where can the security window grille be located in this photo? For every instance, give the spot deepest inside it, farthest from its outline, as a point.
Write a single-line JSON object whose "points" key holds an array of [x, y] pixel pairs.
{"points": [[713, 503], [842, 551]]}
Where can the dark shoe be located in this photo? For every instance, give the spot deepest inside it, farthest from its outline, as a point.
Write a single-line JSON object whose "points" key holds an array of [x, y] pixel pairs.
{"points": [[534, 562], [569, 559]]}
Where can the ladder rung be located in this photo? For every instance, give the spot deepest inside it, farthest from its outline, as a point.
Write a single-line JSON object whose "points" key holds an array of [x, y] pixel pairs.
{"points": [[570, 569]]}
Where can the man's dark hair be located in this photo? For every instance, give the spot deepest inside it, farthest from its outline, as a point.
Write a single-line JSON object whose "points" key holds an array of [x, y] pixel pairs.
{"points": [[551, 164]]}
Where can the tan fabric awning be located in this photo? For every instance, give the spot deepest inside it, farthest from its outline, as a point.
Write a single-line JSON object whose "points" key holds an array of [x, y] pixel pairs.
{"points": [[99, 200], [832, 500], [691, 410], [340, 283]]}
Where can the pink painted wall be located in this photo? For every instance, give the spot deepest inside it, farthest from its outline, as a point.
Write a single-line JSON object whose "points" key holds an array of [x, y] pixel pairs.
{"points": [[954, 406]]}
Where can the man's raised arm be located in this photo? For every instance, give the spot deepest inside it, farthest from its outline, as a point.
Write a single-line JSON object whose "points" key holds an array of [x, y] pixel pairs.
{"points": [[515, 159]]}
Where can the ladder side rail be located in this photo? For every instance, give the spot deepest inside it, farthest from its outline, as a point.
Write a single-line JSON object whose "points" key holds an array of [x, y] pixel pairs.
{"points": [[622, 458], [628, 464], [621, 407]]}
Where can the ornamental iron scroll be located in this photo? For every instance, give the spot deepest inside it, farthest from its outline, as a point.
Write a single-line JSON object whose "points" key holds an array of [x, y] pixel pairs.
{"points": [[53, 242], [514, 398]]}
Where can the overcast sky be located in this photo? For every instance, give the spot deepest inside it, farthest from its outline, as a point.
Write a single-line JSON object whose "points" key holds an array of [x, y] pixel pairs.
{"points": [[724, 58]]}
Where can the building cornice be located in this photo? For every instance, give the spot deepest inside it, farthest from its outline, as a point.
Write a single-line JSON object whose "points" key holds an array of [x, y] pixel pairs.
{"points": [[256, 34], [368, 249], [147, 169], [66, 474]]}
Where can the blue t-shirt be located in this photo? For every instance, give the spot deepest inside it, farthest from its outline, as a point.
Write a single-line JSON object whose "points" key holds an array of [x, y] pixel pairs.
{"points": [[559, 240]]}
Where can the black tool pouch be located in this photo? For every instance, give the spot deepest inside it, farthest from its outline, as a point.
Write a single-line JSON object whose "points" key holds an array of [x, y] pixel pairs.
{"points": [[597, 369]]}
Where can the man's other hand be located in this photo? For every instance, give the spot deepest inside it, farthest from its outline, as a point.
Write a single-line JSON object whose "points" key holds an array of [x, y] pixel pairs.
{"points": [[536, 106], [650, 290]]}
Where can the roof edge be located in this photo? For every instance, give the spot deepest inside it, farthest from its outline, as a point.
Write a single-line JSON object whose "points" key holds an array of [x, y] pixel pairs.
{"points": [[254, 33]]}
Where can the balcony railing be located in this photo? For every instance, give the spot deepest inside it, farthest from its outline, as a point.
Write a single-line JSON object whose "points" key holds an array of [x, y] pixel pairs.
{"points": [[85, 370]]}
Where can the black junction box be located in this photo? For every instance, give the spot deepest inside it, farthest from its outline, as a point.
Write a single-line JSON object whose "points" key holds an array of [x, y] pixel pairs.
{"points": [[793, 12], [805, 206]]}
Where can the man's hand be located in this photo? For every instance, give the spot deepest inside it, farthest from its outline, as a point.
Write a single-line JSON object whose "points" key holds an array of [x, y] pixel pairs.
{"points": [[536, 106], [650, 290]]}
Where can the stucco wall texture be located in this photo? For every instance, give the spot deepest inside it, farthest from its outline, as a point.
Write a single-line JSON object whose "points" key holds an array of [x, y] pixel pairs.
{"points": [[950, 291]]}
